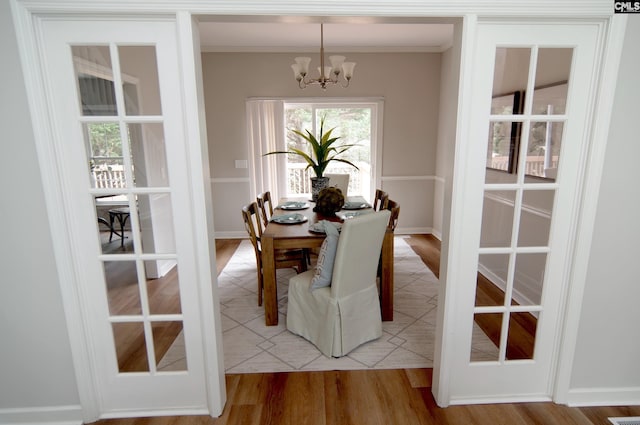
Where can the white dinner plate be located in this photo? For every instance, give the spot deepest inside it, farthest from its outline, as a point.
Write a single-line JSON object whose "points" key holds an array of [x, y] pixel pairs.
{"points": [[355, 205], [289, 218], [293, 205]]}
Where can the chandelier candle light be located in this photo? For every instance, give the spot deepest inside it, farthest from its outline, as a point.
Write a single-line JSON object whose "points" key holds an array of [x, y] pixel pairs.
{"points": [[328, 74]]}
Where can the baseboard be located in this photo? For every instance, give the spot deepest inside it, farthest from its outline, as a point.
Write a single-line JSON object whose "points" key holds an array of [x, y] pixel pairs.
{"points": [[524, 398], [231, 235], [604, 397], [413, 230], [59, 415]]}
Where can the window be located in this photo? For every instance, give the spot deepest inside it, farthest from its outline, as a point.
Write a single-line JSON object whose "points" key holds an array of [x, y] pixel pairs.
{"points": [[355, 124]]}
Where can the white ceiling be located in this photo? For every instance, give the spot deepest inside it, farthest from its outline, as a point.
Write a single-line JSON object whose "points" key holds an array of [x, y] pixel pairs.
{"points": [[358, 36]]}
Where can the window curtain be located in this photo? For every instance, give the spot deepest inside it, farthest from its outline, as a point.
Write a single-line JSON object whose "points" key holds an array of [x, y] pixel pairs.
{"points": [[265, 132]]}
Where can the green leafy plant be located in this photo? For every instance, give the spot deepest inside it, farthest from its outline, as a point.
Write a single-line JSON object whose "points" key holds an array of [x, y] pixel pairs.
{"points": [[323, 150]]}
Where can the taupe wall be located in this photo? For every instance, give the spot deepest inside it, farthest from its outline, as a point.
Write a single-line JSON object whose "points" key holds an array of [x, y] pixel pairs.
{"points": [[408, 82], [36, 370], [608, 348]]}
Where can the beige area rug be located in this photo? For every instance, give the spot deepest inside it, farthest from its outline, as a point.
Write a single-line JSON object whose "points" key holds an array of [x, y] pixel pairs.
{"points": [[252, 347]]}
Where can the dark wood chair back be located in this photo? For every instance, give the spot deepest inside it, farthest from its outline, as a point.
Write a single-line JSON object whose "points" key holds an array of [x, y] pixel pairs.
{"points": [[380, 200], [266, 207]]}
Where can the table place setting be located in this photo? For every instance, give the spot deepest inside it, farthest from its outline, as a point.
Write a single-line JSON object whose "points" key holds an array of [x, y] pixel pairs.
{"points": [[294, 218], [293, 205], [355, 205]]}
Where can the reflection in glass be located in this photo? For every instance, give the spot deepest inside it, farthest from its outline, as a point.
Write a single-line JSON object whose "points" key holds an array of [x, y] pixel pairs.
{"points": [[156, 223], [511, 73], [543, 151], [522, 336], [140, 85], [552, 75], [163, 286], [148, 155], [114, 223], [502, 145], [528, 279], [497, 218], [492, 279], [131, 350], [123, 294], [485, 337], [535, 217], [169, 345], [104, 148], [95, 80]]}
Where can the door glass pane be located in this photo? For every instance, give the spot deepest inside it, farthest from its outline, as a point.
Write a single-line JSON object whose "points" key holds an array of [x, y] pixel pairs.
{"points": [[528, 278], [535, 217], [511, 73], [485, 337], [148, 155], [552, 74], [139, 70], [163, 286], [123, 293], [156, 223], [104, 149], [131, 350], [94, 76], [497, 218], [502, 159], [543, 151], [168, 342], [492, 279], [522, 336], [114, 223]]}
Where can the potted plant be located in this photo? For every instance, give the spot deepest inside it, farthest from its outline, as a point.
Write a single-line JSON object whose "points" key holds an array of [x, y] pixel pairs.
{"points": [[323, 151]]}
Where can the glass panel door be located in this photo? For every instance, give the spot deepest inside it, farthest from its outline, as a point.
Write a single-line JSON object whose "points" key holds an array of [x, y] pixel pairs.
{"points": [[116, 89], [529, 105]]}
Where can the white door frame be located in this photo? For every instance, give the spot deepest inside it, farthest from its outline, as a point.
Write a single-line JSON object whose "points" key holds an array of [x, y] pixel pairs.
{"points": [[24, 13]]}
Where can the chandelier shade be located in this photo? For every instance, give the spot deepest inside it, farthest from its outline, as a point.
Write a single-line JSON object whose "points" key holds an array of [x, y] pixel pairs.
{"points": [[327, 74]]}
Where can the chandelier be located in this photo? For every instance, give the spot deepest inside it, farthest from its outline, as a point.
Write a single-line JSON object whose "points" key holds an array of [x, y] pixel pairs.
{"points": [[328, 74]]}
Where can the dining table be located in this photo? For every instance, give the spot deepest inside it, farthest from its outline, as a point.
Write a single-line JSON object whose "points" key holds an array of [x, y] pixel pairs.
{"points": [[301, 233]]}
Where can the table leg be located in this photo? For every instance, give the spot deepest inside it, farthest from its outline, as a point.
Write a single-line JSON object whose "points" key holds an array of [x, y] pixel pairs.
{"points": [[386, 278], [123, 222], [269, 281]]}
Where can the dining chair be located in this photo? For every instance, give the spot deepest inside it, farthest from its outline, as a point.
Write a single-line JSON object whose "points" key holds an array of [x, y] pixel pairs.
{"points": [[380, 200], [290, 258], [394, 207], [266, 206], [341, 181], [345, 314]]}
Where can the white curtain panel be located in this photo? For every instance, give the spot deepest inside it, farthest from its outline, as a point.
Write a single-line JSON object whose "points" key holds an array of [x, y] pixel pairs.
{"points": [[265, 133]]}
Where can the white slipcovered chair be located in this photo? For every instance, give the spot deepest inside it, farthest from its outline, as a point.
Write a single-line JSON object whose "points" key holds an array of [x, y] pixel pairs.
{"points": [[340, 317], [341, 181]]}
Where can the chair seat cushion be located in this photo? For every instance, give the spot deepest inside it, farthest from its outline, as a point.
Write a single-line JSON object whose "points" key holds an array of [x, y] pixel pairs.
{"points": [[326, 257]]}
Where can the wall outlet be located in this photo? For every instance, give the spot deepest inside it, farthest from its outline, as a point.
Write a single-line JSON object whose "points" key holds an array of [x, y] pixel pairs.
{"points": [[241, 163]]}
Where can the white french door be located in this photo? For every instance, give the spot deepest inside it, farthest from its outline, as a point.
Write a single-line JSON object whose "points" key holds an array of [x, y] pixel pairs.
{"points": [[116, 106], [509, 264]]}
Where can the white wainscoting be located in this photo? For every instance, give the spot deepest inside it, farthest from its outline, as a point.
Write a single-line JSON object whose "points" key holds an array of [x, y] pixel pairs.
{"points": [[415, 194], [229, 195]]}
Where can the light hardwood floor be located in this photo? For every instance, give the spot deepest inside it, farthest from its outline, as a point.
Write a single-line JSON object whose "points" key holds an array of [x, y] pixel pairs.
{"points": [[368, 397], [364, 397]]}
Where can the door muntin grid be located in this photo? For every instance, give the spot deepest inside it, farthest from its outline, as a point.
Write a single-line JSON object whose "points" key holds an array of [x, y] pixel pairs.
{"points": [[122, 123], [519, 197]]}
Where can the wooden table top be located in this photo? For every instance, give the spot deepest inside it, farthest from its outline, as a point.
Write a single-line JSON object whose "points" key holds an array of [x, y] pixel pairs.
{"points": [[301, 230]]}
